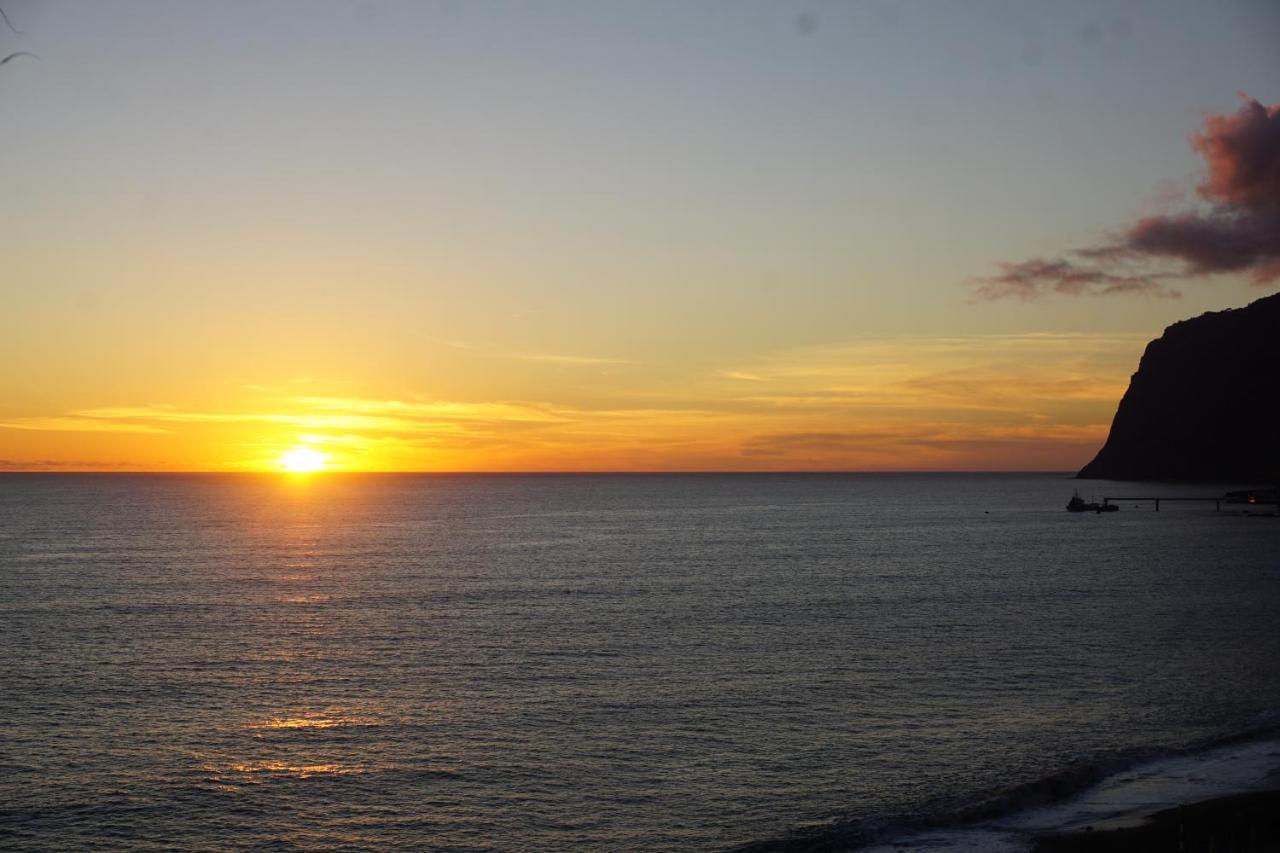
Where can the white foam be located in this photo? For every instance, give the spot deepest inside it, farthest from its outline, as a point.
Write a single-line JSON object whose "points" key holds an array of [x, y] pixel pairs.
{"points": [[972, 840], [1124, 799], [1128, 797]]}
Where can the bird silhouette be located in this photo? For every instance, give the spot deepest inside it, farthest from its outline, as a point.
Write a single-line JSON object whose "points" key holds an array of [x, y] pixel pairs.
{"points": [[16, 55], [9, 23]]}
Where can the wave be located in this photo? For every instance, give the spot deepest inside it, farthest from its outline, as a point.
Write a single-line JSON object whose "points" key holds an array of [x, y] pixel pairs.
{"points": [[1116, 789]]}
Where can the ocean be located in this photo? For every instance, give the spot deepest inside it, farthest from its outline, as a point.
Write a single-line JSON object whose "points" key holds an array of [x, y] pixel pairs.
{"points": [[609, 662]]}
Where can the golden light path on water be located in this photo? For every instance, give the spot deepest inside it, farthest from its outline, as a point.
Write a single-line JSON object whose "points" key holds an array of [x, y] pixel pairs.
{"points": [[287, 744], [231, 773], [318, 722], [302, 761]]}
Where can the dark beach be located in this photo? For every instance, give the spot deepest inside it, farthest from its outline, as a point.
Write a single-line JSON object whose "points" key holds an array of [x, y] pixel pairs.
{"points": [[1243, 823]]}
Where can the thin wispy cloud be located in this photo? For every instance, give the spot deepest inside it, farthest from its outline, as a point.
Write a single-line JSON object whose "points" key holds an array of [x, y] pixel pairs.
{"points": [[318, 414], [742, 376], [569, 360], [1038, 277], [941, 446], [1008, 372], [63, 465], [172, 414], [1040, 399], [72, 423], [433, 410], [556, 358]]}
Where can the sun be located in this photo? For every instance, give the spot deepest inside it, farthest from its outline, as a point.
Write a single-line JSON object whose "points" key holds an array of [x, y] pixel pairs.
{"points": [[301, 460]]}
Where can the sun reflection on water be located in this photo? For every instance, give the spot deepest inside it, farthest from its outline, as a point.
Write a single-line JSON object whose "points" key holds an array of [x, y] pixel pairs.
{"points": [[313, 722], [252, 772], [317, 598]]}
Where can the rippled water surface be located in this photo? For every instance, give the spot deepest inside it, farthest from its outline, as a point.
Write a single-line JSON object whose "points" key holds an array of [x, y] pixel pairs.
{"points": [[594, 662]]}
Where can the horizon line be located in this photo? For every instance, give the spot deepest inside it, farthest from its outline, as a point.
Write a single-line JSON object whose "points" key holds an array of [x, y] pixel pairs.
{"points": [[558, 473]]}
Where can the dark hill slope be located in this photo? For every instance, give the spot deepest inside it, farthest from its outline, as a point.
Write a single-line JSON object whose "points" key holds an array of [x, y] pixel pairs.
{"points": [[1204, 404]]}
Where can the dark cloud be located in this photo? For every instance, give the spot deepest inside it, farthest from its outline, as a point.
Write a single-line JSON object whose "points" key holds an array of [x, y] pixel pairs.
{"points": [[1040, 276], [1235, 230], [1247, 242]]}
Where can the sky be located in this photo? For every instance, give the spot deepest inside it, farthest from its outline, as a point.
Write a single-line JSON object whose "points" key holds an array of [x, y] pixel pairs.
{"points": [[615, 236]]}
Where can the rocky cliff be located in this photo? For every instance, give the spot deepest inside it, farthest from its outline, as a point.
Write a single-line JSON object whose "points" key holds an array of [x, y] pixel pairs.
{"points": [[1204, 404]]}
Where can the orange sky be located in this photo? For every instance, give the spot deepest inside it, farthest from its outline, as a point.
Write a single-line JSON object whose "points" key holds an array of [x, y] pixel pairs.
{"points": [[999, 402], [547, 236]]}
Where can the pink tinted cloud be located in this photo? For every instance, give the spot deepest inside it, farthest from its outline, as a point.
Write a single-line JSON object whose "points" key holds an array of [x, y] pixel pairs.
{"points": [[1236, 231], [1242, 153]]}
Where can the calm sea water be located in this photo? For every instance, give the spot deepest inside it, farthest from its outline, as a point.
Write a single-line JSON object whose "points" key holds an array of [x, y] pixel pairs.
{"points": [[595, 662]]}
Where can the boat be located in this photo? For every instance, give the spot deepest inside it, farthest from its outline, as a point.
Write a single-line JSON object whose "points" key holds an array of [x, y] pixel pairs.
{"points": [[1079, 504]]}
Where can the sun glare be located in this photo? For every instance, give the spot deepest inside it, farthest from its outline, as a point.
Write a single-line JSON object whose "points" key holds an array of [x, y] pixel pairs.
{"points": [[301, 460]]}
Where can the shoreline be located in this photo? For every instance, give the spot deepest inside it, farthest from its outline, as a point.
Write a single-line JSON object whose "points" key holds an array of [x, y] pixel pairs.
{"points": [[1241, 823], [1222, 797]]}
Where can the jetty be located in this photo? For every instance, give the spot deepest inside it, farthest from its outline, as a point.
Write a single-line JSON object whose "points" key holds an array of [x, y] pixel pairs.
{"points": [[1249, 497], [1217, 502]]}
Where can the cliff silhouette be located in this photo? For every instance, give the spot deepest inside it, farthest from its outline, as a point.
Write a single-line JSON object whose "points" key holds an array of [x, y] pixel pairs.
{"points": [[1203, 404]]}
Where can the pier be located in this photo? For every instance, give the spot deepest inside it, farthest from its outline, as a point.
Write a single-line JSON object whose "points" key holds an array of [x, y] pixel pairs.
{"points": [[1217, 502]]}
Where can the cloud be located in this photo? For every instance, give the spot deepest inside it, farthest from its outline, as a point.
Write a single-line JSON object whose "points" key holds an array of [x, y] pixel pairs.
{"points": [[1236, 228], [74, 423], [1246, 241], [793, 443], [1030, 372], [1039, 276], [71, 465], [1242, 153], [941, 447], [569, 360], [741, 375], [433, 411], [557, 359]]}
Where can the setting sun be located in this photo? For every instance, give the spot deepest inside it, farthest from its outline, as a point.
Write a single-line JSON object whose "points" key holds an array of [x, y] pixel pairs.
{"points": [[302, 459]]}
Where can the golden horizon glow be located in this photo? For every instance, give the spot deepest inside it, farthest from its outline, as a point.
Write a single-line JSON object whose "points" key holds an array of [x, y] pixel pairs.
{"points": [[302, 460], [1037, 401]]}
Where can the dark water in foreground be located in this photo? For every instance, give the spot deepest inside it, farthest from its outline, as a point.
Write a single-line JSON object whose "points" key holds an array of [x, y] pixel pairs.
{"points": [[608, 662]]}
